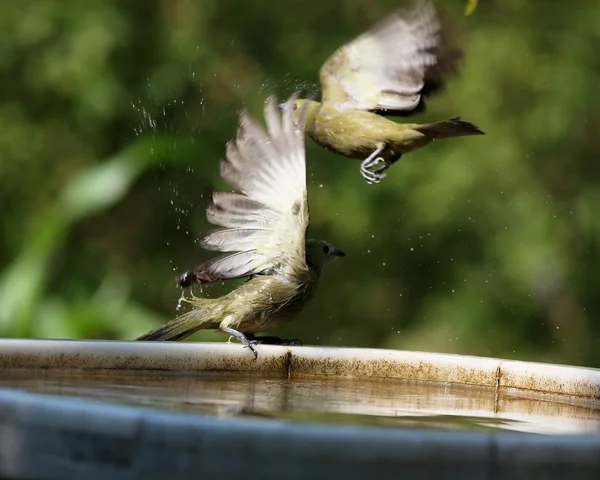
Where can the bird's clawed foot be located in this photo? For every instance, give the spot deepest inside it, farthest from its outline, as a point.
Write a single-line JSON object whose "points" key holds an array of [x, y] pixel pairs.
{"points": [[246, 343], [273, 340], [183, 298], [250, 344], [373, 176]]}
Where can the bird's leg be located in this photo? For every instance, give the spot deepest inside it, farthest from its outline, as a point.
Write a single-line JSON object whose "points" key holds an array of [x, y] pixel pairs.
{"points": [[242, 338], [387, 165], [274, 340], [183, 298], [370, 162]]}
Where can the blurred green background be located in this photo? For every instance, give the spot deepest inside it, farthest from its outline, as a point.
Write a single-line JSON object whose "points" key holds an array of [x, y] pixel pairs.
{"points": [[114, 116]]}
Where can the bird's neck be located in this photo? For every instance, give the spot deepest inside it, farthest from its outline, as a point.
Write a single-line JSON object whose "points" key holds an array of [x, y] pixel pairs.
{"points": [[311, 112], [311, 280], [314, 270]]}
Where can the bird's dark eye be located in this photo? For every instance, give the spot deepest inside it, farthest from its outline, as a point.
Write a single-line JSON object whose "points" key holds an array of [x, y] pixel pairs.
{"points": [[326, 249], [294, 106]]}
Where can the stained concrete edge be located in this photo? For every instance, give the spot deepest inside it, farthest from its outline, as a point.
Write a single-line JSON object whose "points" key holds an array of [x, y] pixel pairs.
{"points": [[549, 378], [401, 364], [297, 362], [44, 436]]}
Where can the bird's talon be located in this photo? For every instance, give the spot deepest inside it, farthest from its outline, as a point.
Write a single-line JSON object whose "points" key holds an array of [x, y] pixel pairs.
{"points": [[367, 164], [373, 176], [250, 344], [252, 349], [382, 169]]}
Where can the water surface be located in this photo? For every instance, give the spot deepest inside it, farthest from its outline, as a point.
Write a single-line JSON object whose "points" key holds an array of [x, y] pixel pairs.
{"points": [[391, 403]]}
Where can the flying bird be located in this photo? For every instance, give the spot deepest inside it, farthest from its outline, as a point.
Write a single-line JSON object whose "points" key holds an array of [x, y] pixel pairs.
{"points": [[262, 236], [388, 70]]}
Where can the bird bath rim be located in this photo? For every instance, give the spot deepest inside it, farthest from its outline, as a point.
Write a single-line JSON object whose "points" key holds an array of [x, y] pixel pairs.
{"points": [[301, 362]]}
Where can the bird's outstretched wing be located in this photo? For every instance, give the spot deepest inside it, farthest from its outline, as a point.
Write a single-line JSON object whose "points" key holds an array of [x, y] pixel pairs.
{"points": [[392, 66], [264, 225]]}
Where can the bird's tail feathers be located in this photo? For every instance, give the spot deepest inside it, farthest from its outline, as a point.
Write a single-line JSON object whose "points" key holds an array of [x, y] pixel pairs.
{"points": [[180, 328], [454, 127]]}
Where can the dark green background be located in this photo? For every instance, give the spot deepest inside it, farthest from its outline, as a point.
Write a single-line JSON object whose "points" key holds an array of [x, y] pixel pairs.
{"points": [[114, 116]]}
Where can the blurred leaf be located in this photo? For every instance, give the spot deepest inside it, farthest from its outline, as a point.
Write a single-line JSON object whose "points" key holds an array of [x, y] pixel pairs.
{"points": [[98, 188], [471, 6]]}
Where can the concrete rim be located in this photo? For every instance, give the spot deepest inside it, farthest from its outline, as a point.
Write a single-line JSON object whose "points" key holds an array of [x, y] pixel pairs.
{"points": [[299, 362]]}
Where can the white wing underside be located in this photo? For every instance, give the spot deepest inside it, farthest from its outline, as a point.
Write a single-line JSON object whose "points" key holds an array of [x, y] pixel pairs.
{"points": [[385, 67], [264, 226]]}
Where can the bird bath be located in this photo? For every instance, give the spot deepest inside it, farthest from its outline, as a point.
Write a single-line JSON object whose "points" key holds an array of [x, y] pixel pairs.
{"points": [[151, 410]]}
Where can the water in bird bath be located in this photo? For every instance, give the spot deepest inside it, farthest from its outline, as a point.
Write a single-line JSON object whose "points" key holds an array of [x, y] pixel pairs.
{"points": [[391, 403]]}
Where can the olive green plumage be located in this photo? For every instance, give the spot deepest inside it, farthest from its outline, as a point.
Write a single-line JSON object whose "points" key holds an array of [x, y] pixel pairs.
{"points": [[262, 236], [390, 69]]}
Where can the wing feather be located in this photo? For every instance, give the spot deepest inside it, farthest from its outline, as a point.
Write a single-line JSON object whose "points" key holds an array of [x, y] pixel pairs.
{"points": [[235, 210], [264, 223], [235, 265], [390, 65], [235, 239]]}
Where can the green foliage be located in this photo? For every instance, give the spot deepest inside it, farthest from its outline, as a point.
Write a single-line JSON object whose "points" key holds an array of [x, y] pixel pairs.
{"points": [[471, 6], [114, 116]]}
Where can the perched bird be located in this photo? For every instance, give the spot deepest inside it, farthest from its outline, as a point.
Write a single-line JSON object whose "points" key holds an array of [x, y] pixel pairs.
{"points": [[390, 69], [263, 236]]}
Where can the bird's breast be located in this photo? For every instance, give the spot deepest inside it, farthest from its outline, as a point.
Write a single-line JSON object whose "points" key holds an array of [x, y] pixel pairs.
{"points": [[271, 303], [352, 133]]}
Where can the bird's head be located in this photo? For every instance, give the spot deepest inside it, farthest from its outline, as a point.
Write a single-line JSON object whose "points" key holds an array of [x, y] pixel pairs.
{"points": [[304, 106], [319, 252]]}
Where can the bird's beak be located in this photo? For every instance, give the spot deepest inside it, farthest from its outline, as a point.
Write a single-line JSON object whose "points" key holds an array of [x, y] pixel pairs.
{"points": [[334, 252], [281, 106]]}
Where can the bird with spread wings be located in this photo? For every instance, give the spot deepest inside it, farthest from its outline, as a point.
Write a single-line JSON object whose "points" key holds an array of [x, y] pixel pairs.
{"points": [[262, 236], [388, 70]]}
